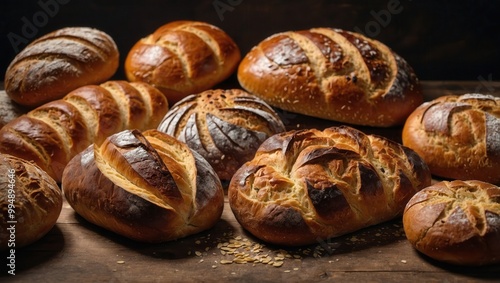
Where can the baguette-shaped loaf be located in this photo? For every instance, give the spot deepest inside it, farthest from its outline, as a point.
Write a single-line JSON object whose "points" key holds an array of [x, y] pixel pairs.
{"points": [[182, 58], [332, 74], [307, 185], [30, 202], [59, 62], [53, 133], [225, 126], [458, 136], [146, 186], [456, 222]]}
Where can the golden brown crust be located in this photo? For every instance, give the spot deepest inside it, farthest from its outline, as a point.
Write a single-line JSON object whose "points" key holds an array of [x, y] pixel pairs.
{"points": [[51, 134], [182, 58], [34, 197], [308, 185], [149, 187], [59, 62], [225, 126], [456, 222], [458, 136], [332, 74]]}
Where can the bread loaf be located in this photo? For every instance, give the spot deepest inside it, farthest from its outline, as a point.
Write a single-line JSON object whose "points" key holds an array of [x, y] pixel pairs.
{"points": [[9, 110], [182, 58], [456, 222], [332, 74], [225, 126], [309, 185], [145, 186], [30, 202], [59, 62], [458, 136], [53, 133]]}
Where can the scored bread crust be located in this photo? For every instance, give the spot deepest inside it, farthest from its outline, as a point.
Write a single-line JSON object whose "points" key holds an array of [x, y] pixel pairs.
{"points": [[225, 126], [182, 58], [308, 185], [332, 74], [59, 62], [145, 186], [456, 222], [51, 134], [458, 136]]}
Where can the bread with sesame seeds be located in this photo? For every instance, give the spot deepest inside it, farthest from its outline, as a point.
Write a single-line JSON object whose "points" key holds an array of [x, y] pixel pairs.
{"points": [[457, 222], [458, 136], [225, 126], [182, 58], [332, 74]]}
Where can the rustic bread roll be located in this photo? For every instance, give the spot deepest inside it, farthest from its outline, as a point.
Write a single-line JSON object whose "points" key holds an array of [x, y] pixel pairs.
{"points": [[458, 136], [148, 187], [30, 202], [456, 222], [53, 133], [225, 126], [183, 57], [309, 185], [332, 74], [59, 62]]}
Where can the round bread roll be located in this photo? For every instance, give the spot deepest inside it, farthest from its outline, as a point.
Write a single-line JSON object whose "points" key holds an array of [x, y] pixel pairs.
{"points": [[457, 222], [59, 62], [183, 57], [332, 74], [309, 185], [146, 186], [225, 126], [30, 202], [458, 136]]}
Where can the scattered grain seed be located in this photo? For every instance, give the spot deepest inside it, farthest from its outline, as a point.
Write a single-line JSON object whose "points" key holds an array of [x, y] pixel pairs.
{"points": [[224, 261], [120, 262]]}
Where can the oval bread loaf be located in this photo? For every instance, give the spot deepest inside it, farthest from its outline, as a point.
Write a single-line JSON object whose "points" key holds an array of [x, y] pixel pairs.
{"points": [[307, 185], [182, 58], [145, 186], [456, 222], [458, 136], [225, 126], [59, 62], [332, 74], [30, 202], [53, 133]]}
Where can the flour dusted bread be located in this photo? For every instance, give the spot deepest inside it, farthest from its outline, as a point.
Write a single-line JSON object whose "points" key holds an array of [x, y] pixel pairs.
{"points": [[458, 136], [182, 58], [51, 134], [30, 202], [59, 62], [307, 185], [145, 186], [332, 74], [225, 126], [456, 222]]}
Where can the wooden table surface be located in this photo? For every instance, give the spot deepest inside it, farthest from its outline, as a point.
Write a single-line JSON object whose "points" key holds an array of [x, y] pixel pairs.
{"points": [[75, 250]]}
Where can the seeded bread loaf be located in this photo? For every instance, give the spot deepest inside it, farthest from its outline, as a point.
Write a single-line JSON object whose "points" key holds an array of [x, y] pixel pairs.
{"points": [[332, 74], [308, 185]]}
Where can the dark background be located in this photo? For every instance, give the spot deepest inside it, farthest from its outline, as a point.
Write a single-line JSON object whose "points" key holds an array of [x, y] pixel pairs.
{"points": [[442, 40]]}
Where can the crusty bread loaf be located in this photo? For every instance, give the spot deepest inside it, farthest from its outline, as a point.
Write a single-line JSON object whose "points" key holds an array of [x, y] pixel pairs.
{"points": [[59, 62], [225, 126], [53, 133], [146, 186], [458, 136], [9, 110], [332, 74], [182, 58], [30, 202], [456, 222], [309, 185]]}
